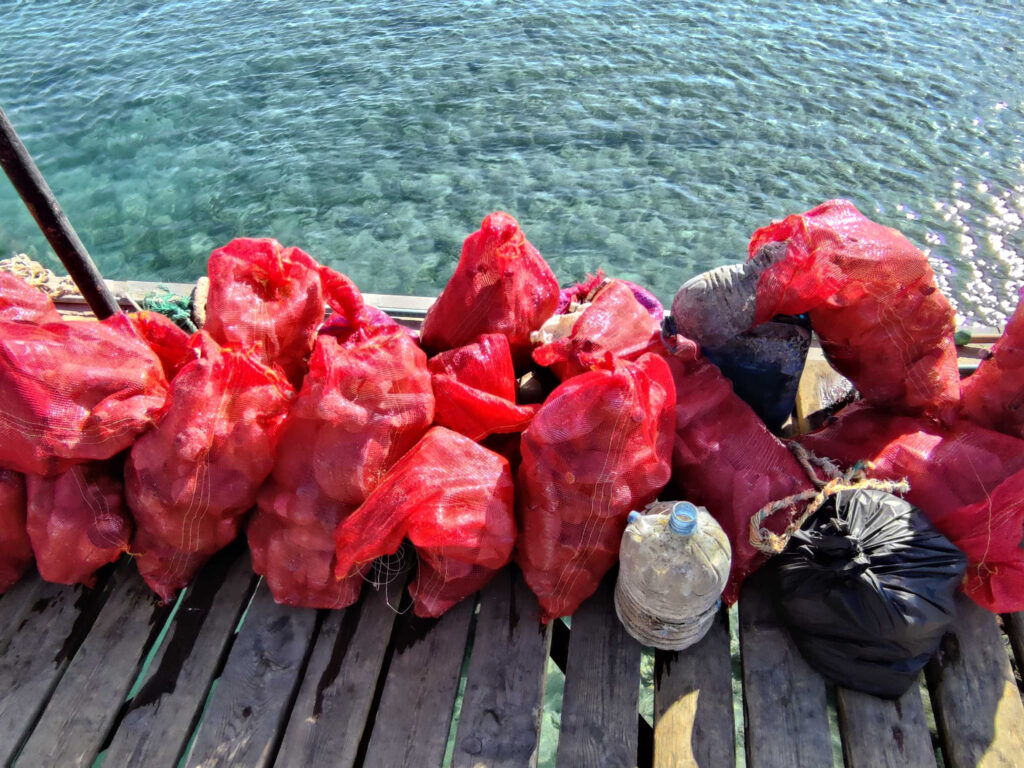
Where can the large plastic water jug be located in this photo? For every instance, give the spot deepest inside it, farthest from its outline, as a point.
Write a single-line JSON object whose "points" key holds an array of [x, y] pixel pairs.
{"points": [[673, 565]]}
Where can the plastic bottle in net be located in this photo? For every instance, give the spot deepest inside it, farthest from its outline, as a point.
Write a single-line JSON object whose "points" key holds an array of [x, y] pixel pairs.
{"points": [[606, 319], [993, 396], [74, 391], [872, 300], [267, 298], [364, 403], [673, 565], [452, 498], [78, 521], [600, 446], [190, 481], [15, 547], [967, 480], [501, 285]]}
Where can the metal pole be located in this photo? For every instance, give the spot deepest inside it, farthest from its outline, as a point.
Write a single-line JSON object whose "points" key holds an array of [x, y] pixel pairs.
{"points": [[26, 178]]}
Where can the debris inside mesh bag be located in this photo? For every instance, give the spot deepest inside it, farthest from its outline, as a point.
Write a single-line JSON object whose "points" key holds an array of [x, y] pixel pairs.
{"points": [[364, 403], [452, 498]]}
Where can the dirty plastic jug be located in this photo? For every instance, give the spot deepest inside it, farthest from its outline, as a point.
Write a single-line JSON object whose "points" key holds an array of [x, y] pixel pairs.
{"points": [[673, 565]]}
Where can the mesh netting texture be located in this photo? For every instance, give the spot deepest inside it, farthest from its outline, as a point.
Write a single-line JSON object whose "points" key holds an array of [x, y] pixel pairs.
{"points": [[500, 285], [873, 302], [452, 498], [599, 447], [366, 401], [191, 479], [993, 396]]}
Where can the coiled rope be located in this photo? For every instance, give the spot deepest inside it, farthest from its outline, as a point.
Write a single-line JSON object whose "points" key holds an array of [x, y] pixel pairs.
{"points": [[853, 479]]}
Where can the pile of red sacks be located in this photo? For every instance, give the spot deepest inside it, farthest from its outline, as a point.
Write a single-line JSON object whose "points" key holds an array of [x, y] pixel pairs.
{"points": [[331, 441]]}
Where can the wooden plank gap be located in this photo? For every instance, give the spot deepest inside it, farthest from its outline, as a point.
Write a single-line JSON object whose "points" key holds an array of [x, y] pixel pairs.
{"points": [[884, 733]]}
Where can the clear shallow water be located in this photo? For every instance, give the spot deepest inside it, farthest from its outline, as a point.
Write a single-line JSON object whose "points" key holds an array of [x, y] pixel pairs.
{"points": [[650, 138]]}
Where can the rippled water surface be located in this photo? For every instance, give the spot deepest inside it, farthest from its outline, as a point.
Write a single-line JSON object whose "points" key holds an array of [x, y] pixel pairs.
{"points": [[650, 138]]}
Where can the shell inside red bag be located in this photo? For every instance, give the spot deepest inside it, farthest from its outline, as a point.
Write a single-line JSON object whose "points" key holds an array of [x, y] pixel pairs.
{"points": [[872, 300], [606, 319], [190, 481], [366, 400], [501, 285], [724, 458], [599, 447], [993, 396], [77, 521], [475, 389], [15, 547], [74, 391], [268, 298], [453, 499], [967, 480], [25, 303], [167, 340]]}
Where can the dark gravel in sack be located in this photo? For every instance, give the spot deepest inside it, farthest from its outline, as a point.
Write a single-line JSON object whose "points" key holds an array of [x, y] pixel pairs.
{"points": [[866, 588]]}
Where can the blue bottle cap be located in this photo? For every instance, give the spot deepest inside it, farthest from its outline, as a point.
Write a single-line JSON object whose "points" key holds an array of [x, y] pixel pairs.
{"points": [[633, 517], [683, 519]]}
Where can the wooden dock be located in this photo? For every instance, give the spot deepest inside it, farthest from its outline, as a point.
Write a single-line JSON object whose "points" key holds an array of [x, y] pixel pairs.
{"points": [[225, 677]]}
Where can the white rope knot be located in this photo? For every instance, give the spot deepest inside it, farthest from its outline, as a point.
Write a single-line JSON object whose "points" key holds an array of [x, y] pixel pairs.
{"points": [[855, 478]]}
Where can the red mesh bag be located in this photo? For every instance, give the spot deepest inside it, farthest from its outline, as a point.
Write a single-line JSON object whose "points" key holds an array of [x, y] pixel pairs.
{"points": [[607, 318], [600, 446], [873, 301], [190, 480], [365, 401], [968, 481], [267, 297], [725, 459], [501, 285], [475, 389], [15, 547], [70, 392], [453, 499], [167, 340], [993, 396], [20, 301], [77, 521]]}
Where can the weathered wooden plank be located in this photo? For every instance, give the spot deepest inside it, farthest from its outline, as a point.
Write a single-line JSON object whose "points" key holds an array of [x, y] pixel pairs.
{"points": [[602, 687], [38, 652], [15, 603], [881, 733], [336, 696], [250, 705], [784, 699], [693, 708], [499, 724], [88, 698], [414, 716], [178, 679], [977, 704]]}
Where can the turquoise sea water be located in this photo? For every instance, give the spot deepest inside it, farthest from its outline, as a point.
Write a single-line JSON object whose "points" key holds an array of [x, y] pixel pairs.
{"points": [[650, 138]]}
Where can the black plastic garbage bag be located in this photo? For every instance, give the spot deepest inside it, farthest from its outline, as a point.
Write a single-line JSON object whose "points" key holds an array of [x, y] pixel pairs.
{"points": [[866, 588]]}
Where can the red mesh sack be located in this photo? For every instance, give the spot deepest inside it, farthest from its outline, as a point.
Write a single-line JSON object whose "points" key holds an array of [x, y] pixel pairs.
{"points": [[501, 285], [968, 481], [725, 459], [189, 481], [600, 446], [267, 297], [873, 301], [993, 396], [453, 499], [77, 521], [167, 340], [20, 301], [365, 401], [70, 392], [15, 547], [475, 389]]}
